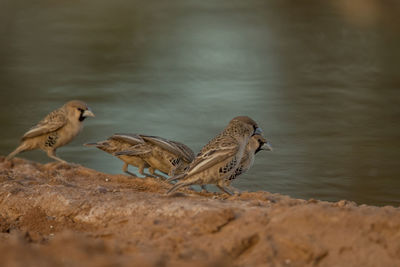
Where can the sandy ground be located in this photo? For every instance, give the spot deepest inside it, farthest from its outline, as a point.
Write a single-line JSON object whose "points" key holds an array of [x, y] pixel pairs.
{"points": [[62, 215]]}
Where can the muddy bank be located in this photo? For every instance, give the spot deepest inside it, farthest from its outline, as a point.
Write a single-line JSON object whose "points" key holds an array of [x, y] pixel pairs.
{"points": [[56, 214]]}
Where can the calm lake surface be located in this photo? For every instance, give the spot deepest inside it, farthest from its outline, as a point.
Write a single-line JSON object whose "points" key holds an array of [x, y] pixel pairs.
{"points": [[322, 78]]}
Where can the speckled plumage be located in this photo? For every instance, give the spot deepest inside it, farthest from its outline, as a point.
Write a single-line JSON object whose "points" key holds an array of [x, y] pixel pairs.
{"points": [[256, 143], [57, 129], [153, 152], [220, 157], [169, 157], [123, 142]]}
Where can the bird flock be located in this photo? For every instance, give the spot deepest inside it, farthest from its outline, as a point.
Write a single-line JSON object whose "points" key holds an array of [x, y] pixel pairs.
{"points": [[219, 162]]}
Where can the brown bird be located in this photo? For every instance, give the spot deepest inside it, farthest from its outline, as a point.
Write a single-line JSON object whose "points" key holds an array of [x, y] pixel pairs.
{"points": [[219, 159], [122, 142], [57, 129], [256, 143], [169, 157]]}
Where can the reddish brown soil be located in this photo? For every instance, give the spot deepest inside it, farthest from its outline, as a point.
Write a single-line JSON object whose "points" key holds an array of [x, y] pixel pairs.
{"points": [[61, 215]]}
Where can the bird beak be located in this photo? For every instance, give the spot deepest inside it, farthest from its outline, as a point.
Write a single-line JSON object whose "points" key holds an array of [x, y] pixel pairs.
{"points": [[88, 113], [267, 146], [258, 131]]}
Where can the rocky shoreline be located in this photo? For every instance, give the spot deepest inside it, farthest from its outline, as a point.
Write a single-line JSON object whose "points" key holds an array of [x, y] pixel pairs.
{"points": [[57, 214]]}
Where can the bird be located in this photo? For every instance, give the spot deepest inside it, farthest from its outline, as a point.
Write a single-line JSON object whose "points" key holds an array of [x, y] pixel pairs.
{"points": [[167, 156], [145, 151], [256, 143], [220, 157], [57, 129], [123, 142]]}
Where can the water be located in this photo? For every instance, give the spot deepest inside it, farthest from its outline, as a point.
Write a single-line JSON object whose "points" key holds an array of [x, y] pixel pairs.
{"points": [[321, 78]]}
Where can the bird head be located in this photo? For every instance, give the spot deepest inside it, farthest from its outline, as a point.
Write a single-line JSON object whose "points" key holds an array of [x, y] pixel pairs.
{"points": [[249, 123], [78, 109]]}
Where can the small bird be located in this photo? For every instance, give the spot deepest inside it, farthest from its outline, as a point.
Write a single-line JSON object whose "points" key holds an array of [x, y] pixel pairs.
{"points": [[256, 143], [58, 128], [123, 142], [169, 157], [219, 159]]}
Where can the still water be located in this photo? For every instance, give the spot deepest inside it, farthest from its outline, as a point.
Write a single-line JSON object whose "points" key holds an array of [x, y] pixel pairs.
{"points": [[320, 77]]}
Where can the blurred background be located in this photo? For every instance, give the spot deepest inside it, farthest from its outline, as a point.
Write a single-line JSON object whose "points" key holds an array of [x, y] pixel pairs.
{"points": [[320, 77]]}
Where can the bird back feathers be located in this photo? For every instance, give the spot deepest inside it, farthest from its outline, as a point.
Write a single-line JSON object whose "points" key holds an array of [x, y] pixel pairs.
{"points": [[52, 122]]}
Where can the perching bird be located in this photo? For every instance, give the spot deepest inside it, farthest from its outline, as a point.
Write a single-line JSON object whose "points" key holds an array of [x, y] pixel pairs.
{"points": [[219, 159], [123, 142], [169, 157], [57, 129], [256, 143]]}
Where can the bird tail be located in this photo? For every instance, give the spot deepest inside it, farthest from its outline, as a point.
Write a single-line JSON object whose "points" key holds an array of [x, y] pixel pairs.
{"points": [[19, 149], [91, 144], [176, 177], [178, 185]]}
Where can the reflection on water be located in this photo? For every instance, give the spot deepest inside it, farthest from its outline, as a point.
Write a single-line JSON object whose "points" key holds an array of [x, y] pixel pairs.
{"points": [[322, 79]]}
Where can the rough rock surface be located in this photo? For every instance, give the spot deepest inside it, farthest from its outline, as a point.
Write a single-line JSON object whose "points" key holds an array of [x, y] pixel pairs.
{"points": [[62, 215]]}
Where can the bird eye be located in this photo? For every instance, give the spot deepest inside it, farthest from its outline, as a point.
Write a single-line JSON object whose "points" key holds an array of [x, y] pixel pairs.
{"points": [[81, 110]]}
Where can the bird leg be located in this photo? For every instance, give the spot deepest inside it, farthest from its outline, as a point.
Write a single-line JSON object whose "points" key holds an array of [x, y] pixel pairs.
{"points": [[52, 154], [204, 188], [153, 174], [125, 169], [234, 190], [141, 171]]}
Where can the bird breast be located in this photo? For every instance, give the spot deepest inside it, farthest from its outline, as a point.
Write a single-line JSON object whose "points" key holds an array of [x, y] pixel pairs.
{"points": [[68, 132]]}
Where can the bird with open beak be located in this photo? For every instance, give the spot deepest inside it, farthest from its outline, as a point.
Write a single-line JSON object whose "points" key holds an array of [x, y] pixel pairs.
{"points": [[219, 159], [57, 129]]}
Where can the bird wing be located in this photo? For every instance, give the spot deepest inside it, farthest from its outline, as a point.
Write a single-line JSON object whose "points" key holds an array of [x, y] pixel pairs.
{"points": [[164, 144], [52, 122], [137, 150], [132, 139], [213, 156], [186, 152]]}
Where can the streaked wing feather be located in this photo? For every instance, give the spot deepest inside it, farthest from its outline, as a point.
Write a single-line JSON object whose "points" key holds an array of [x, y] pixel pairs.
{"points": [[132, 139], [212, 157], [163, 143], [52, 122], [137, 150], [187, 153]]}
